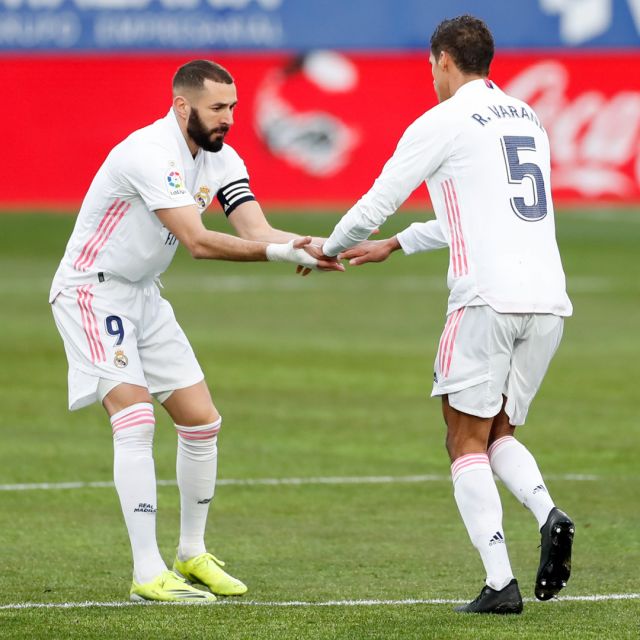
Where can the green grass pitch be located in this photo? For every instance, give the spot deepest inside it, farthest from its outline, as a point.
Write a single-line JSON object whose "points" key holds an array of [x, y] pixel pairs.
{"points": [[322, 377]]}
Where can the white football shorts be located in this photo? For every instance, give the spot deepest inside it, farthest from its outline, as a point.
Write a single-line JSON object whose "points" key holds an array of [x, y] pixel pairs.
{"points": [[484, 355], [123, 332]]}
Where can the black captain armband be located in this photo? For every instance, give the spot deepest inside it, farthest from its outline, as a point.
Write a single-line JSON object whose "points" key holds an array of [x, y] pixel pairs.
{"points": [[233, 194]]}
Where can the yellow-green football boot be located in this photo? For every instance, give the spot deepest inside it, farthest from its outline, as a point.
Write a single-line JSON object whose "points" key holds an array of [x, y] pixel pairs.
{"points": [[206, 569], [168, 587]]}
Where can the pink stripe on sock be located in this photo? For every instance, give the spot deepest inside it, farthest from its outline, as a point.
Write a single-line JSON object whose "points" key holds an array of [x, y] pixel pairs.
{"points": [[201, 432], [468, 462], [146, 415], [498, 444], [198, 435], [134, 414], [132, 424]]}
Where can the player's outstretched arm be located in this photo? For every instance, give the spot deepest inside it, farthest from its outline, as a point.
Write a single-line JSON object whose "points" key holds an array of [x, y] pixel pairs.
{"points": [[370, 251], [185, 224], [250, 223]]}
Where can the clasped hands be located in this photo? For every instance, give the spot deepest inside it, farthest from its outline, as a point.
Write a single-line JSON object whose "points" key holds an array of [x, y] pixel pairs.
{"points": [[366, 251]]}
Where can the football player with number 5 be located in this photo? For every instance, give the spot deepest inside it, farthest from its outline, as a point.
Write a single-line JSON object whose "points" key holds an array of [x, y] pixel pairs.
{"points": [[484, 156]]}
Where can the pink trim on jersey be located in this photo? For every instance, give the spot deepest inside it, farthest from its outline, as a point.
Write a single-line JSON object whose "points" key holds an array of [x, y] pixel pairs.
{"points": [[498, 444], [109, 222], [90, 324], [458, 246], [447, 340], [469, 462], [463, 246], [133, 419]]}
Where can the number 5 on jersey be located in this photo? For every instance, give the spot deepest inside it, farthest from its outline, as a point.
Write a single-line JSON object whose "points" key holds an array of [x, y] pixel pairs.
{"points": [[518, 171]]}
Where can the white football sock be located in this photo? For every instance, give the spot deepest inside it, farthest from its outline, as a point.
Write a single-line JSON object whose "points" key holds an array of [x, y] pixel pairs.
{"points": [[135, 479], [512, 462], [478, 500], [196, 469]]}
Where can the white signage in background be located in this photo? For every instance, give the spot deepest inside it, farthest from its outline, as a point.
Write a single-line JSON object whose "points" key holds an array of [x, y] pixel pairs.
{"points": [[98, 5], [122, 31], [267, 5], [60, 30], [593, 136], [584, 20], [123, 24]]}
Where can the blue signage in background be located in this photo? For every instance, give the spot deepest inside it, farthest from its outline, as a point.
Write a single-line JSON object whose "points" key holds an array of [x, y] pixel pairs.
{"points": [[297, 25]]}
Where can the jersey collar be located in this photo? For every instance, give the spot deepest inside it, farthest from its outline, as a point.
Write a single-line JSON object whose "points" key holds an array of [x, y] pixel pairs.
{"points": [[476, 85], [172, 121]]}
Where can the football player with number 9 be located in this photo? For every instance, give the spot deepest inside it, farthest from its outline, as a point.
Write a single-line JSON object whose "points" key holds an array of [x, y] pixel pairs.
{"points": [[122, 340]]}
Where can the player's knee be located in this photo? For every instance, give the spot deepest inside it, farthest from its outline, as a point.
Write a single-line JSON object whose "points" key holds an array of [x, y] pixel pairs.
{"points": [[198, 417]]}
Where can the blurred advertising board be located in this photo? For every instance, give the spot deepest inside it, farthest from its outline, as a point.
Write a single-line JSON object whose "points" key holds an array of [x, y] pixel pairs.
{"points": [[186, 25], [315, 128]]}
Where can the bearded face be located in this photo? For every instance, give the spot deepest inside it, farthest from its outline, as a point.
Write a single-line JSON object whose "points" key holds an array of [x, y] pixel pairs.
{"points": [[205, 138]]}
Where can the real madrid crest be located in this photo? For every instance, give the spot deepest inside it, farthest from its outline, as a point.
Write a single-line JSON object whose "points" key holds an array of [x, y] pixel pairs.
{"points": [[203, 197], [120, 360]]}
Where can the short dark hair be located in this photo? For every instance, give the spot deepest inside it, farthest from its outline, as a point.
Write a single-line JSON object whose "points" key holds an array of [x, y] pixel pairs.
{"points": [[193, 74], [467, 40]]}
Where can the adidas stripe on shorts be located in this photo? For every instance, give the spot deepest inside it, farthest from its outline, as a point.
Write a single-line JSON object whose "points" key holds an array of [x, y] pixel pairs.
{"points": [[124, 332], [484, 355]]}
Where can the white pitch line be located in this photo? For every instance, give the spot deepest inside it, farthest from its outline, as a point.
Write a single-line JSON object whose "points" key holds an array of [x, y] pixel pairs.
{"points": [[300, 603], [249, 482]]}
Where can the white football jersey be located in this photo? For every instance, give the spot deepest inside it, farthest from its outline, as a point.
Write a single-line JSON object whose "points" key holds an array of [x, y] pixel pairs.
{"points": [[117, 232], [485, 158]]}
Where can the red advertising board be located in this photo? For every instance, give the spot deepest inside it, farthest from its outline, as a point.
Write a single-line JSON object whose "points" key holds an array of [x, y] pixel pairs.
{"points": [[313, 130]]}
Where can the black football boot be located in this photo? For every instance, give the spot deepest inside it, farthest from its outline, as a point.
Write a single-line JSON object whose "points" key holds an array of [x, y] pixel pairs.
{"points": [[507, 600], [556, 540]]}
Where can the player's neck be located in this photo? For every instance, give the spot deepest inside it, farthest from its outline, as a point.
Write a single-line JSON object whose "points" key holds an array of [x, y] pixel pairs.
{"points": [[460, 79]]}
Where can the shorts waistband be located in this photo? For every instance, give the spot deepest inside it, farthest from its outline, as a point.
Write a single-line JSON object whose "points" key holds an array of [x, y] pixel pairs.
{"points": [[104, 277]]}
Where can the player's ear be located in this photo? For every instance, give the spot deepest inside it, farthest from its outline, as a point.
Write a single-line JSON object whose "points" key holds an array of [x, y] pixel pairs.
{"points": [[182, 107]]}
